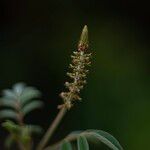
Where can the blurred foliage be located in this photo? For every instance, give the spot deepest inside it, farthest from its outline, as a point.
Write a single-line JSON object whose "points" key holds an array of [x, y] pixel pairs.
{"points": [[16, 104], [19, 101]]}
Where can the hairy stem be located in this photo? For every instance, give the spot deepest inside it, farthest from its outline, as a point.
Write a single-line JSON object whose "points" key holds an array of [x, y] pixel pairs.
{"points": [[52, 128]]}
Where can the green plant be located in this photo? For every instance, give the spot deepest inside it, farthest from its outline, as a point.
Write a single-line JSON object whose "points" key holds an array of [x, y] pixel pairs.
{"points": [[20, 100]]}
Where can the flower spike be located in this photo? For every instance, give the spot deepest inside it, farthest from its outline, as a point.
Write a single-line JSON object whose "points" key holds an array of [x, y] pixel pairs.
{"points": [[78, 73]]}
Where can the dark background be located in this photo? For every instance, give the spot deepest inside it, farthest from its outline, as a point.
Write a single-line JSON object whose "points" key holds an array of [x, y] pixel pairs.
{"points": [[37, 39]]}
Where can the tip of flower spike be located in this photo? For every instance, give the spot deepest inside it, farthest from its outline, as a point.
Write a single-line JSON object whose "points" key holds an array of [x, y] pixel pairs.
{"points": [[85, 29], [83, 43]]}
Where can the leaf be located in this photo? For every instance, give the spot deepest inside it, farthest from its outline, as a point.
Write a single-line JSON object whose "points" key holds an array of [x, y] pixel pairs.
{"points": [[7, 103], [66, 146], [8, 94], [11, 127], [105, 138], [31, 106], [20, 99], [98, 135], [18, 88], [7, 113], [28, 94], [82, 143], [34, 129]]}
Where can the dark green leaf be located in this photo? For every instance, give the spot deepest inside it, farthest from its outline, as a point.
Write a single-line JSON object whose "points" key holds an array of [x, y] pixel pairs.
{"points": [[82, 143], [66, 146], [31, 106]]}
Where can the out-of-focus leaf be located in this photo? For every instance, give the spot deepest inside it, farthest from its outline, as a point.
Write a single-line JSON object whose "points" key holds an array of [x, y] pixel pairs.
{"points": [[7, 113], [82, 143], [34, 129], [21, 92], [31, 106], [19, 98], [8, 94], [66, 146], [105, 138], [11, 127], [28, 94], [18, 88], [7, 103]]}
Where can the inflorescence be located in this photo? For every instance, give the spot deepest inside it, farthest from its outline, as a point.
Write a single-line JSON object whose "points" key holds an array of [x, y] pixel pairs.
{"points": [[78, 73]]}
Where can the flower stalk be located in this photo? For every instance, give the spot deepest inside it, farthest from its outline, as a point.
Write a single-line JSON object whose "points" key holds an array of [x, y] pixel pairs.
{"points": [[78, 73]]}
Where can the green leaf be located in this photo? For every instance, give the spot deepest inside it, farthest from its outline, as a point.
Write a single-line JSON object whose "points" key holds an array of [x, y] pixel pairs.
{"points": [[8, 94], [82, 143], [21, 92], [20, 98], [97, 136], [28, 94], [18, 88], [31, 106], [7, 113], [7, 103], [105, 138], [11, 127], [34, 129], [66, 146]]}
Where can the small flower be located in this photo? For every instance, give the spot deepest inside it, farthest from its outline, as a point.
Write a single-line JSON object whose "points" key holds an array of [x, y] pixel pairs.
{"points": [[78, 73]]}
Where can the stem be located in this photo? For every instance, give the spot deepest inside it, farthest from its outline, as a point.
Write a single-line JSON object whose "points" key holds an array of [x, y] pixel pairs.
{"points": [[21, 124], [22, 146], [52, 128]]}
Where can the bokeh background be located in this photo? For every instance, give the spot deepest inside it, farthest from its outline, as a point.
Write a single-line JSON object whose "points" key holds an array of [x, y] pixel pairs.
{"points": [[37, 39]]}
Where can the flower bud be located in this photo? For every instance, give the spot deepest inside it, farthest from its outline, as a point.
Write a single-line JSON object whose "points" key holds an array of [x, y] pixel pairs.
{"points": [[83, 43]]}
